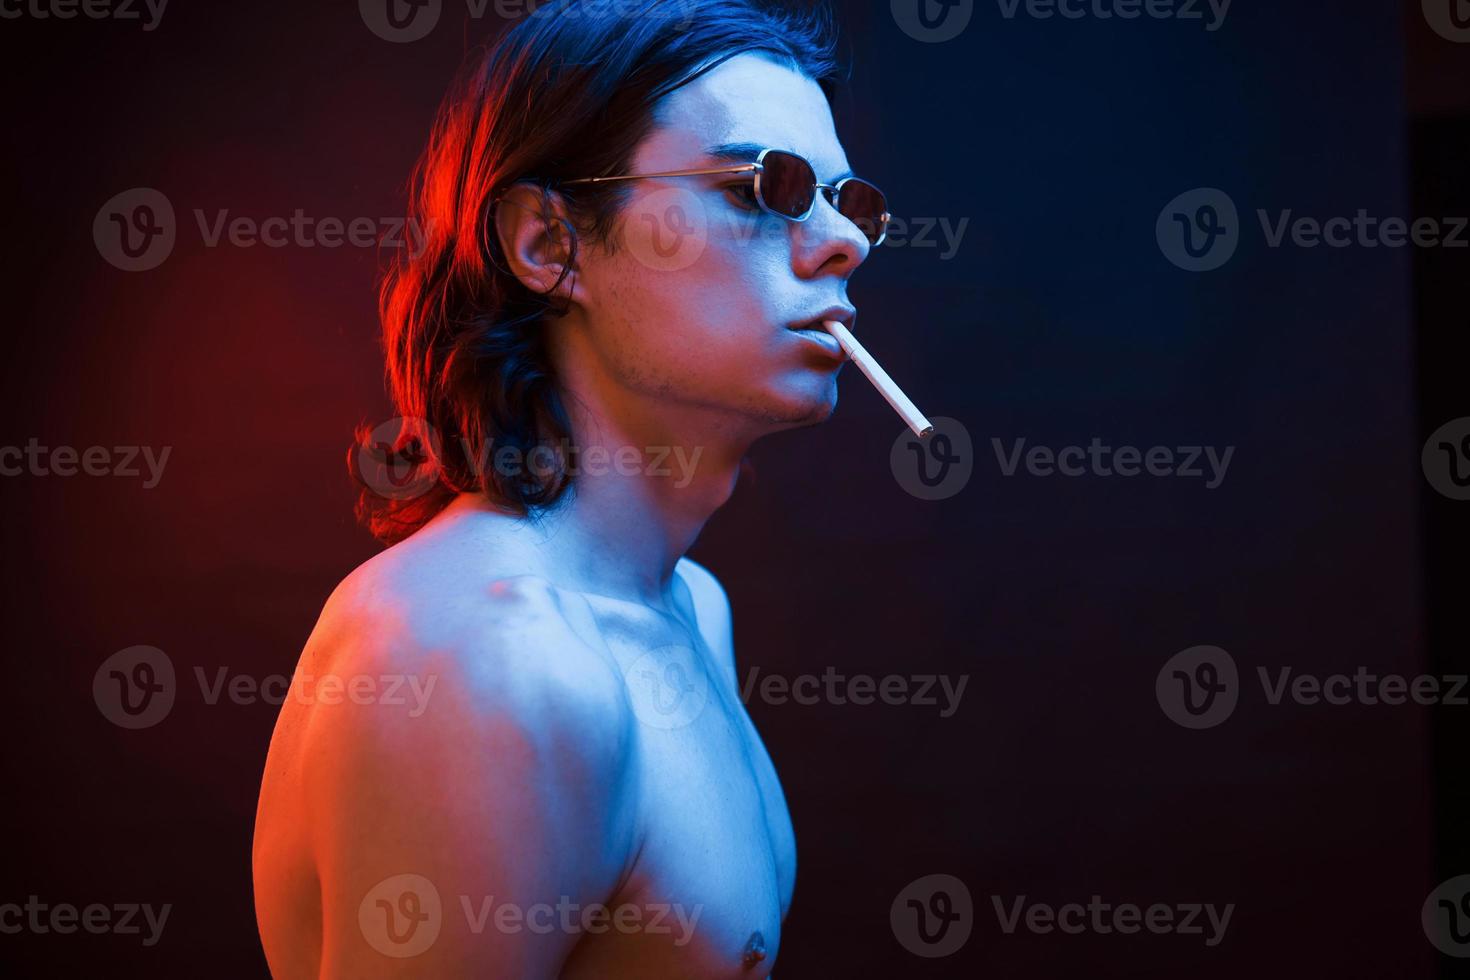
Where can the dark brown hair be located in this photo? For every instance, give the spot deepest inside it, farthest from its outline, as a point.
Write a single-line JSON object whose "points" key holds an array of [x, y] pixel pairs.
{"points": [[570, 91]]}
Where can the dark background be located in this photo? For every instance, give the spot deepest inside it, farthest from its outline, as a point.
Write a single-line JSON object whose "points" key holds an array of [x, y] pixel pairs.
{"points": [[1059, 319]]}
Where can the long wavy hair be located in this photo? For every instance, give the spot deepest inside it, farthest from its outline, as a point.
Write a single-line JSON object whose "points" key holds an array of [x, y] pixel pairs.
{"points": [[569, 91]]}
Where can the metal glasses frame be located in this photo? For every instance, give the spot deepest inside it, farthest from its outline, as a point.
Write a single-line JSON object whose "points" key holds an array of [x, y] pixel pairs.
{"points": [[758, 168]]}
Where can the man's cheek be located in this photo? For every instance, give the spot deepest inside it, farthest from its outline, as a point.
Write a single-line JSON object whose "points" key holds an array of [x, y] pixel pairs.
{"points": [[666, 230]]}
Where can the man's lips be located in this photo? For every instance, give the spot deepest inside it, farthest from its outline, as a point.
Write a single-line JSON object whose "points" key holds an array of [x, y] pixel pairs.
{"points": [[843, 314], [823, 339], [813, 331]]}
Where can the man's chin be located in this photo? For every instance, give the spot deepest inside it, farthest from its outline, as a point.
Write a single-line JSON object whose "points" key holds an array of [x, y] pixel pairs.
{"points": [[812, 409]]}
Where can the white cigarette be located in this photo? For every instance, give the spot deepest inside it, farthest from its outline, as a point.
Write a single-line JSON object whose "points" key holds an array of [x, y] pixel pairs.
{"points": [[891, 392]]}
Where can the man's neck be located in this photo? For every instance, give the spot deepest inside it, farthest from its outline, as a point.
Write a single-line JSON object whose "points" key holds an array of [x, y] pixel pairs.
{"points": [[642, 490], [643, 485]]}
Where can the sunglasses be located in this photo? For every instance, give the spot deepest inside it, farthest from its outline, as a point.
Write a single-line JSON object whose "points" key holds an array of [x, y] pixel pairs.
{"points": [[787, 186]]}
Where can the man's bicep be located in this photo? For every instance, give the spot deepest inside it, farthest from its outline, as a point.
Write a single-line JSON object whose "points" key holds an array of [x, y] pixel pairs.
{"points": [[441, 834]]}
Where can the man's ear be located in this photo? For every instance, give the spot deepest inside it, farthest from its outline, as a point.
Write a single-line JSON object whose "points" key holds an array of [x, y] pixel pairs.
{"points": [[536, 238]]}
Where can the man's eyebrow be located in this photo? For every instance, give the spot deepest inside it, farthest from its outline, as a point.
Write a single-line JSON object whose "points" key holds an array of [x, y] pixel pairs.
{"points": [[735, 152], [747, 152]]}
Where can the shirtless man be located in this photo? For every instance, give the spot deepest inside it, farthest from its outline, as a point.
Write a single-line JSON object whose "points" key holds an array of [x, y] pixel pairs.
{"points": [[576, 790]]}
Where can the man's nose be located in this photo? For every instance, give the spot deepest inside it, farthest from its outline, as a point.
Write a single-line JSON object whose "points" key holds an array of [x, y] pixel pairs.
{"points": [[828, 243]]}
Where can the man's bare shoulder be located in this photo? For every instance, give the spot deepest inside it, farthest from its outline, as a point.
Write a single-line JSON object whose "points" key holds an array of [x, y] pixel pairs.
{"points": [[501, 648], [503, 766]]}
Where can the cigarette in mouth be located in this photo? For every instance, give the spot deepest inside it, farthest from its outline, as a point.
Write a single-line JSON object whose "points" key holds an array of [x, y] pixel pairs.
{"points": [[891, 392]]}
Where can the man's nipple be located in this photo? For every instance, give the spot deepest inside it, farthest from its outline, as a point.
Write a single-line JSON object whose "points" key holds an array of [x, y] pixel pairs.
{"points": [[755, 950]]}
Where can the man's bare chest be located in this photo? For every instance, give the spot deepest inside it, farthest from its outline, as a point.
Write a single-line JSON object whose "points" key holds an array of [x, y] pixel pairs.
{"points": [[715, 841]]}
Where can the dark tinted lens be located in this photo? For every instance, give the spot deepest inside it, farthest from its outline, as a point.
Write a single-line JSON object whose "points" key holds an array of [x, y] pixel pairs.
{"points": [[865, 206], [787, 184]]}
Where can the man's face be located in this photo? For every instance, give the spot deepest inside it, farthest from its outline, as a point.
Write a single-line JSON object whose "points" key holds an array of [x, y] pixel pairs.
{"points": [[693, 303]]}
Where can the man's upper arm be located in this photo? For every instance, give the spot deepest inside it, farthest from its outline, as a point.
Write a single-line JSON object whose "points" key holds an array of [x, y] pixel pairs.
{"points": [[454, 836]]}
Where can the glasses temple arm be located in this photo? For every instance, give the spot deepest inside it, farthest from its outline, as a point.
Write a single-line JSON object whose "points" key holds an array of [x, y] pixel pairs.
{"points": [[746, 168]]}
